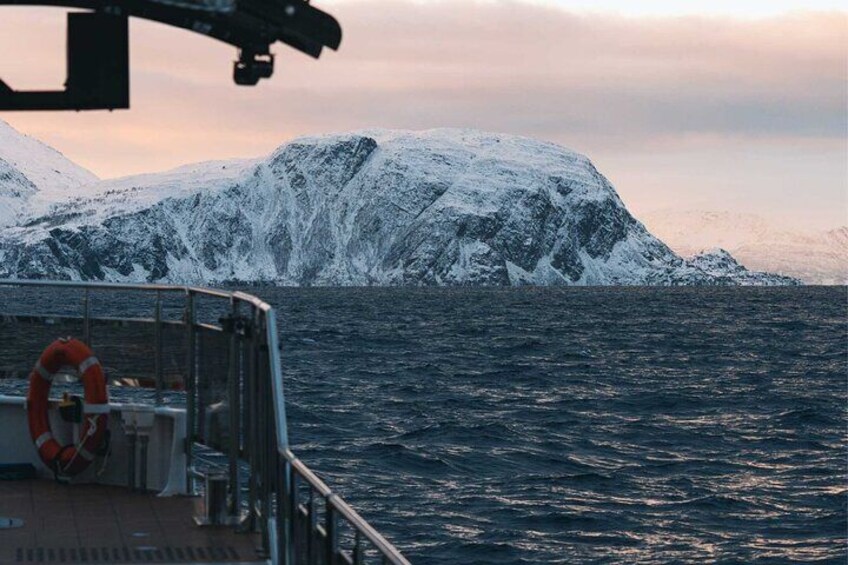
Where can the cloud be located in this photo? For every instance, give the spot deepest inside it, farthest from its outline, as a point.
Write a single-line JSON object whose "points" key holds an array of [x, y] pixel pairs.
{"points": [[512, 66], [504, 66]]}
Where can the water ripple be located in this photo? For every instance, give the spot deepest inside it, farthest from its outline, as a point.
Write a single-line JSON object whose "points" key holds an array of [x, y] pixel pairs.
{"points": [[578, 425]]}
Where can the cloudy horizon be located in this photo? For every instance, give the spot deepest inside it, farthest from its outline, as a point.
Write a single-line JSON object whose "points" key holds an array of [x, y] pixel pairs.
{"points": [[699, 109]]}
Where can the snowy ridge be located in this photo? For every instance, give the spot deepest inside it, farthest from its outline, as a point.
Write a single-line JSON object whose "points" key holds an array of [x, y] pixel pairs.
{"points": [[119, 197], [719, 264], [440, 207], [32, 175]]}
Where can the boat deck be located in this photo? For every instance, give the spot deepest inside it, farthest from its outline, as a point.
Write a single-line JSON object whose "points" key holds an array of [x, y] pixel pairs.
{"points": [[105, 524]]}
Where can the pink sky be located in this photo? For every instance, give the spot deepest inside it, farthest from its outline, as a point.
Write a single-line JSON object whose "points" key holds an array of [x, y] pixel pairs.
{"points": [[683, 112]]}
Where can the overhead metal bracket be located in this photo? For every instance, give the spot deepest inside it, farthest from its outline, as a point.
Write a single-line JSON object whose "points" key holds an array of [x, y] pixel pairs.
{"points": [[98, 46], [97, 66]]}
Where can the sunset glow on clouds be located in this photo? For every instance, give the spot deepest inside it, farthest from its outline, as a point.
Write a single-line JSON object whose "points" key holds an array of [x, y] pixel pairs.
{"points": [[729, 109], [666, 8]]}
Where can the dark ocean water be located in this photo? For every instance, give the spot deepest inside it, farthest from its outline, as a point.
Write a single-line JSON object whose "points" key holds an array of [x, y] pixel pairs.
{"points": [[578, 425]]}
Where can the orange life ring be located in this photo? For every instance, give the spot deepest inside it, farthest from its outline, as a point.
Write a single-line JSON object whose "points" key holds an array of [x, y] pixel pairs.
{"points": [[70, 459]]}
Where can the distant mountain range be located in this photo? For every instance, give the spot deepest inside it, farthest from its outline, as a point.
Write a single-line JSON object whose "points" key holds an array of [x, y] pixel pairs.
{"points": [[441, 207], [813, 257]]}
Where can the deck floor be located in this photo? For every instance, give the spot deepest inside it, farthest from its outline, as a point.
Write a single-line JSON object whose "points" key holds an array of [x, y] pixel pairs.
{"points": [[104, 524]]}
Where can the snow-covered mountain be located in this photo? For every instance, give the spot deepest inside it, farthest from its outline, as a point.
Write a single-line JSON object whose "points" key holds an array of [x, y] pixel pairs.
{"points": [[32, 175], [814, 257], [720, 264], [442, 207]]}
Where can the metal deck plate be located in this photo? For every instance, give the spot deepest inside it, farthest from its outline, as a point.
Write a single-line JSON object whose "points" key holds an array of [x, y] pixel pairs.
{"points": [[103, 524]]}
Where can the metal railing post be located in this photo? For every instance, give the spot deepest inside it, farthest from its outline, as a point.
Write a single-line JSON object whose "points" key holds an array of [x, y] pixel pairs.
{"points": [[131, 463], [283, 540], [86, 319], [250, 417], [357, 548], [331, 531], [263, 439], [157, 337], [292, 509], [200, 386], [234, 411], [190, 388], [268, 469], [275, 378], [312, 537]]}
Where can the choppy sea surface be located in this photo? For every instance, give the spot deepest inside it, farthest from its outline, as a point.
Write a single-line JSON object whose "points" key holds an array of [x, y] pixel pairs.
{"points": [[577, 425], [611, 425]]}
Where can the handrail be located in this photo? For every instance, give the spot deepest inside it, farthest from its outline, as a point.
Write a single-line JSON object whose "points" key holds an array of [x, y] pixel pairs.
{"points": [[137, 286], [276, 380], [344, 509], [103, 285], [267, 317]]}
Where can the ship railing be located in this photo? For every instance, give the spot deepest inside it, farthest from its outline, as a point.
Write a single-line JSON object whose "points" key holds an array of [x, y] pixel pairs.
{"points": [[218, 352]]}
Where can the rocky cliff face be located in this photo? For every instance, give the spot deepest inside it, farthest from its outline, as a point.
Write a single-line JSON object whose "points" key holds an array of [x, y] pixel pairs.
{"points": [[443, 207]]}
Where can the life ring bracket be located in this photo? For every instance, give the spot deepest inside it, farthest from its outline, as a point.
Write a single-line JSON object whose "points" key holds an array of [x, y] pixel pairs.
{"points": [[68, 460]]}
